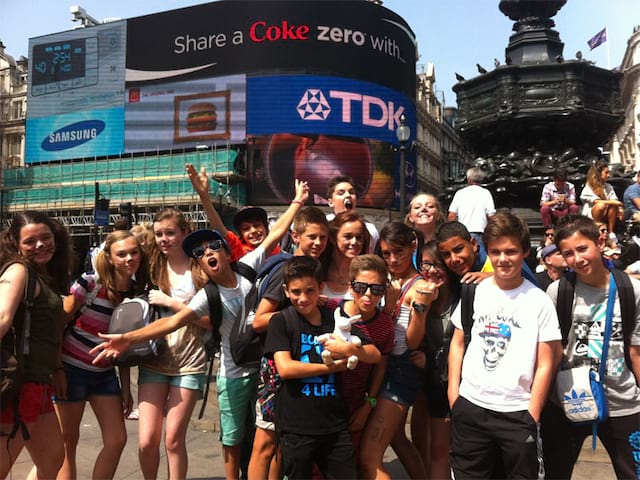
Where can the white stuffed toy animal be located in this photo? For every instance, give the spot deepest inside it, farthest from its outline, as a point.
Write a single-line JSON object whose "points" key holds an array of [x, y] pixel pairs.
{"points": [[341, 330]]}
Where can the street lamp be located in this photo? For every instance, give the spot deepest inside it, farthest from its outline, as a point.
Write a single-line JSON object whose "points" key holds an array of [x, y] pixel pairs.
{"points": [[403, 132]]}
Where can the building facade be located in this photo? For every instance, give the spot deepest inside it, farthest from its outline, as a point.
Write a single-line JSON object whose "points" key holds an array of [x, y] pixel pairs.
{"points": [[428, 144], [625, 145], [13, 107]]}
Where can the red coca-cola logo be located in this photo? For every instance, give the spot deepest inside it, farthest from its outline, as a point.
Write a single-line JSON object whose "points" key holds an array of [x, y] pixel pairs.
{"points": [[260, 32]]}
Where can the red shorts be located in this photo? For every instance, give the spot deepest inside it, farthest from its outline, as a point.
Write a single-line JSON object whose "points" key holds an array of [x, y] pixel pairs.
{"points": [[35, 400]]}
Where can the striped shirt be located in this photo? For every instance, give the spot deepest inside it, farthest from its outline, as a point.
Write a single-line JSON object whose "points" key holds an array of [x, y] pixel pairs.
{"points": [[94, 318]]}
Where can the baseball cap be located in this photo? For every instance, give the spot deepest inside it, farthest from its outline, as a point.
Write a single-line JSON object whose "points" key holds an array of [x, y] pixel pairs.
{"points": [[195, 239], [548, 250], [250, 213]]}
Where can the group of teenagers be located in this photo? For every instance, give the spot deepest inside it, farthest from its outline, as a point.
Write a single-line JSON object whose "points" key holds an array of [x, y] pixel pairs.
{"points": [[482, 400]]}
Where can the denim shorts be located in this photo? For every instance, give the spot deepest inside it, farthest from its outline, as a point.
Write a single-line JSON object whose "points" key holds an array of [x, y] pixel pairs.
{"points": [[403, 380], [236, 404], [82, 384], [189, 381]]}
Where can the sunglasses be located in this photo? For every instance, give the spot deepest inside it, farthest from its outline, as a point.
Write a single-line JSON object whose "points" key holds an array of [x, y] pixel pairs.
{"points": [[214, 245], [426, 266], [604, 230], [549, 235], [361, 288]]}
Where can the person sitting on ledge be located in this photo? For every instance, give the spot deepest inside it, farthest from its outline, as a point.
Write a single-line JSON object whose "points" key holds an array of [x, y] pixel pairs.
{"points": [[558, 199]]}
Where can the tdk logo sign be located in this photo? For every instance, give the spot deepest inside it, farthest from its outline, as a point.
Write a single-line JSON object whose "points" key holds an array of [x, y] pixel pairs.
{"points": [[72, 135], [376, 112]]}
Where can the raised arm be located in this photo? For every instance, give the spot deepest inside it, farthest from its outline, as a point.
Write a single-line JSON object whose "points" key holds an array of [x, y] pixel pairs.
{"points": [[284, 222], [200, 183]]}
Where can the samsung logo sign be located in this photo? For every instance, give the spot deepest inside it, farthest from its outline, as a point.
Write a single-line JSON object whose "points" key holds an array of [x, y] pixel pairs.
{"points": [[72, 135]]}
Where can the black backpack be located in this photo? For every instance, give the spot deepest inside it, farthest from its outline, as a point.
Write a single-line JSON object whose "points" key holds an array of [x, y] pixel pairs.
{"points": [[14, 349], [212, 342], [467, 295], [626, 295], [246, 343]]}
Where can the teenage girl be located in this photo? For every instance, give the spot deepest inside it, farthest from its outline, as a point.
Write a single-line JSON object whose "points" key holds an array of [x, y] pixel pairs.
{"points": [[35, 241], [91, 301], [170, 385], [408, 299]]}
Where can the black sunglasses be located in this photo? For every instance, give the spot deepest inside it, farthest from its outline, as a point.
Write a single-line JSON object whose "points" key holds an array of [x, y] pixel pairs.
{"points": [[361, 288], [549, 234], [214, 245], [426, 266]]}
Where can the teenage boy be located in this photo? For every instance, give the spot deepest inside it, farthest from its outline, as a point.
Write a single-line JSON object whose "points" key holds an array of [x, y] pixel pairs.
{"points": [[310, 233], [579, 242], [251, 223], [312, 415], [341, 196], [462, 254], [498, 387], [236, 385]]}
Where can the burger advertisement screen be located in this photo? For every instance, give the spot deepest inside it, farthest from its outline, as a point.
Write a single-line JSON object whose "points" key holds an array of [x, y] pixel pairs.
{"points": [[204, 75]]}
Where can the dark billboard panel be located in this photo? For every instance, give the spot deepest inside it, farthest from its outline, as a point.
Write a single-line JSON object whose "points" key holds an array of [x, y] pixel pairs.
{"points": [[354, 39], [208, 111]]}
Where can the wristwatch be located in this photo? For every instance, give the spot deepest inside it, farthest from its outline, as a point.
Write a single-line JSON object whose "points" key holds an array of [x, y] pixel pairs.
{"points": [[372, 401], [419, 307]]}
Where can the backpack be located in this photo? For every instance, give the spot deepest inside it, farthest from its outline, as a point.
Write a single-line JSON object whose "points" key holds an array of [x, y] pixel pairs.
{"points": [[132, 314], [626, 295], [269, 381], [246, 343], [467, 296], [212, 339], [14, 349]]}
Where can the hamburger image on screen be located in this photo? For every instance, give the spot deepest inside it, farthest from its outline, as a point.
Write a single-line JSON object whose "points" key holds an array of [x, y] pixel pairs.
{"points": [[202, 117]]}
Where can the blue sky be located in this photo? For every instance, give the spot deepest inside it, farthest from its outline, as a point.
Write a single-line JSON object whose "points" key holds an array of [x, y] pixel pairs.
{"points": [[453, 34]]}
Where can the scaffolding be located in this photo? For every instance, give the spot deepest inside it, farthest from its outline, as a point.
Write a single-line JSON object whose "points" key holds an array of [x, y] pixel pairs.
{"points": [[67, 190]]}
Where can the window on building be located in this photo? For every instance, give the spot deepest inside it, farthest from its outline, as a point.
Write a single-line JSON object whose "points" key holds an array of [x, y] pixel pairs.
{"points": [[17, 110]]}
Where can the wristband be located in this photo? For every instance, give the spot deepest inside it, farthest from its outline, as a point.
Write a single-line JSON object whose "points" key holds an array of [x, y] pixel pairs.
{"points": [[299, 202], [372, 401], [419, 307]]}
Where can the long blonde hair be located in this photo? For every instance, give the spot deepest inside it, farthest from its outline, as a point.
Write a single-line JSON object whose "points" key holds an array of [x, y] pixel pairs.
{"points": [[594, 178], [158, 263], [106, 271]]}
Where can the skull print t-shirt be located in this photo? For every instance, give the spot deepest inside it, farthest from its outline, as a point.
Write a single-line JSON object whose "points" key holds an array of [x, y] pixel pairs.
{"points": [[499, 364]]}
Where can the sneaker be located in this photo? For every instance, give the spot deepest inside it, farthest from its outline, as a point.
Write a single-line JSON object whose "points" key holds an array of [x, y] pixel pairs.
{"points": [[133, 415]]}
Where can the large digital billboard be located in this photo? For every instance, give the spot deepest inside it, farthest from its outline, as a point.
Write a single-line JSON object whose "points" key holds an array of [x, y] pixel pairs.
{"points": [[331, 75], [76, 93]]}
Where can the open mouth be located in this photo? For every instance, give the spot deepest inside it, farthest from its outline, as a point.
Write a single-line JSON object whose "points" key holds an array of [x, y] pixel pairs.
{"points": [[212, 262]]}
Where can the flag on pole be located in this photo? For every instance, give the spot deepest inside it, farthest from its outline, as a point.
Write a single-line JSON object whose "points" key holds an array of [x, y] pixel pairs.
{"points": [[598, 39]]}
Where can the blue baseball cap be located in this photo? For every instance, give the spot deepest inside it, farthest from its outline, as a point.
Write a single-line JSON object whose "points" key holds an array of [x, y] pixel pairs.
{"points": [[197, 238]]}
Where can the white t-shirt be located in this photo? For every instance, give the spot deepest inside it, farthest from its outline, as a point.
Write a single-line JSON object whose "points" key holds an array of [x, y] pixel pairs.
{"points": [[232, 306], [472, 205], [499, 364], [589, 198]]}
